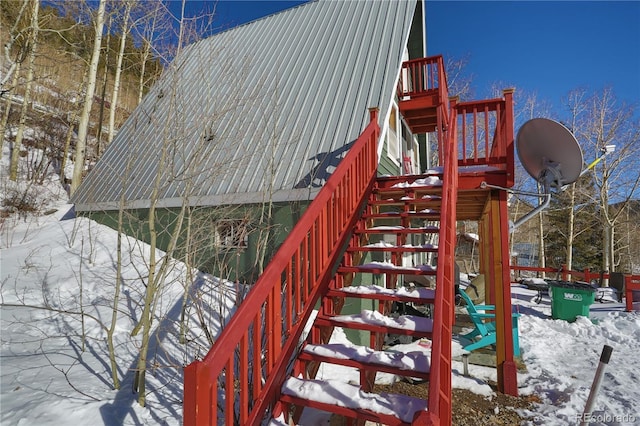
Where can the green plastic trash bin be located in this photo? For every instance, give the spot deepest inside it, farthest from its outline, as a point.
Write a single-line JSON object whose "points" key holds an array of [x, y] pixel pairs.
{"points": [[570, 299]]}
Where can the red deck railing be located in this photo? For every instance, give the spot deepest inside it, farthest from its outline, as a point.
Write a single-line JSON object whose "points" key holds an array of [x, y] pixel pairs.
{"points": [[421, 77], [485, 133], [631, 282], [631, 285], [240, 377], [485, 128], [426, 77]]}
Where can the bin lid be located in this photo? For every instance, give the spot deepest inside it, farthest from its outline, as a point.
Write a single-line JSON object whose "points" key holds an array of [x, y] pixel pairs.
{"points": [[575, 285]]}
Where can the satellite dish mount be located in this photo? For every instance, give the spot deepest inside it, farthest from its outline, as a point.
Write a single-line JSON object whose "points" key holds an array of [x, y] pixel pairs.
{"points": [[551, 155]]}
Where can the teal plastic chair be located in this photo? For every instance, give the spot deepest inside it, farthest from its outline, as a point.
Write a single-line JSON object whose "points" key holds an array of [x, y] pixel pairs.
{"points": [[484, 333]]}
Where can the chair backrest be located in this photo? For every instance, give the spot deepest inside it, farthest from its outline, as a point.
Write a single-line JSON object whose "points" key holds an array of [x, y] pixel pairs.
{"points": [[473, 313], [467, 300]]}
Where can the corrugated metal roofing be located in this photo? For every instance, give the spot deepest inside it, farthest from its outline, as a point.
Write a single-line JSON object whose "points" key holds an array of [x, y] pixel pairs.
{"points": [[262, 111]]}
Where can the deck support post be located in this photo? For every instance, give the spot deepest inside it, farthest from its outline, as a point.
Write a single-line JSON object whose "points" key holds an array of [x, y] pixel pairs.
{"points": [[496, 232]]}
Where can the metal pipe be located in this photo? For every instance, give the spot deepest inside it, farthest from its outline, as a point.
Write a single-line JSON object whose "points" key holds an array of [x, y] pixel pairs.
{"points": [[523, 219], [595, 386], [544, 205], [485, 185]]}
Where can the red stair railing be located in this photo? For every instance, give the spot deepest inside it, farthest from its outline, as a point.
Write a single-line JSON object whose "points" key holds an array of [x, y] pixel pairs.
{"points": [[243, 371], [440, 402]]}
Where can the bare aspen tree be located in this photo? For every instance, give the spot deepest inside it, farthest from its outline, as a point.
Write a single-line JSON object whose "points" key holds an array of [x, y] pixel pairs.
{"points": [[532, 108], [15, 52], [458, 79], [83, 126], [155, 275], [33, 37], [103, 91], [67, 141], [575, 104], [128, 4], [118, 277], [616, 177], [150, 26], [267, 204], [7, 109]]}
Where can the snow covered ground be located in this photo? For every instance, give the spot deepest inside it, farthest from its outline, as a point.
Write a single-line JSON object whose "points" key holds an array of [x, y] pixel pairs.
{"points": [[54, 367]]}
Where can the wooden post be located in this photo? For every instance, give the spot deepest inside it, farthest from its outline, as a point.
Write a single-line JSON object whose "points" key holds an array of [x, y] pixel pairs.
{"points": [[508, 134], [631, 284], [501, 283], [485, 261]]}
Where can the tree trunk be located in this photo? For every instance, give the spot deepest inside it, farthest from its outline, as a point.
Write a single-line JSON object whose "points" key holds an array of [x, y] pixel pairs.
{"points": [[542, 262], [103, 94], [83, 127], [7, 110], [15, 154], [570, 230], [116, 80]]}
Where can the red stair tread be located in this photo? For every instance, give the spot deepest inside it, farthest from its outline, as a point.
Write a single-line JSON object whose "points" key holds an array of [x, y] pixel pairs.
{"points": [[388, 268], [394, 249], [328, 395], [402, 294], [375, 321], [430, 180], [415, 364], [421, 214], [397, 230]]}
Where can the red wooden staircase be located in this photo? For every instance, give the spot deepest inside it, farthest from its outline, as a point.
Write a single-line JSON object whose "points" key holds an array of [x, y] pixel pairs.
{"points": [[394, 226], [359, 230]]}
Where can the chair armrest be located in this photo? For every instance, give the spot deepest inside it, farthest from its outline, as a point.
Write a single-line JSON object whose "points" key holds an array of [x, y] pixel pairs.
{"points": [[479, 315], [485, 307]]}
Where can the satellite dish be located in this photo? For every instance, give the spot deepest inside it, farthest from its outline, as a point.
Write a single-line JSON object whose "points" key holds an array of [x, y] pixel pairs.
{"points": [[549, 153]]}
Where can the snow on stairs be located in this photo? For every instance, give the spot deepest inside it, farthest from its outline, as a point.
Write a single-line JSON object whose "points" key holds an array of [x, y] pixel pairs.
{"points": [[381, 408], [391, 247]]}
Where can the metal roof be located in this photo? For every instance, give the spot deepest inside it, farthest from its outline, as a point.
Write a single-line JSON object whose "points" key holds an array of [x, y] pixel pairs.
{"points": [[264, 111]]}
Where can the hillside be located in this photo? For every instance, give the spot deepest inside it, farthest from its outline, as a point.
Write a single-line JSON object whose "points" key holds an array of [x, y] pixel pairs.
{"points": [[62, 54]]}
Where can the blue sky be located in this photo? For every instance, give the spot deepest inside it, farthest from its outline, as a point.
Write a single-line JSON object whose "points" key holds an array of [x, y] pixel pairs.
{"points": [[542, 47], [546, 47]]}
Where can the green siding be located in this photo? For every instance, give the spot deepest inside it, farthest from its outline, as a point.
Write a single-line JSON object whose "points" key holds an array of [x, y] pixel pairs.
{"points": [[386, 166], [239, 264], [263, 237]]}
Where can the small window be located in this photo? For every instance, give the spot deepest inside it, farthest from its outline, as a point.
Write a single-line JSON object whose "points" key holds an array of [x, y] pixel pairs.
{"points": [[231, 234], [393, 148], [393, 120]]}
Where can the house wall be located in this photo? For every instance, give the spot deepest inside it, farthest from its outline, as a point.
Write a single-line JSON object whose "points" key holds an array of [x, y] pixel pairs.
{"points": [[206, 253], [386, 166]]}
